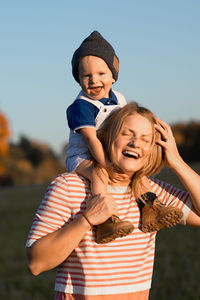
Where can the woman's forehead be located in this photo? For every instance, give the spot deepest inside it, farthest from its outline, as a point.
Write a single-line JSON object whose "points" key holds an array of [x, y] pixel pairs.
{"points": [[137, 122]]}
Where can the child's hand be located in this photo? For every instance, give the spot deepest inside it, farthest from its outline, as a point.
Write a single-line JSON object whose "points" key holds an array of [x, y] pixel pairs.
{"points": [[100, 208]]}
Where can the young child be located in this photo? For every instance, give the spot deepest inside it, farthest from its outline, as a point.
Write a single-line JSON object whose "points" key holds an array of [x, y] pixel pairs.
{"points": [[95, 67]]}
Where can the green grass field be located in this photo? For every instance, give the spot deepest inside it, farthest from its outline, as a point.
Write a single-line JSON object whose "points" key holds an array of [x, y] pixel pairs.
{"points": [[177, 264]]}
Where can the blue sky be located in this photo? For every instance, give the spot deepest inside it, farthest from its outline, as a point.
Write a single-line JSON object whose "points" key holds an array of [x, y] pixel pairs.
{"points": [[157, 43]]}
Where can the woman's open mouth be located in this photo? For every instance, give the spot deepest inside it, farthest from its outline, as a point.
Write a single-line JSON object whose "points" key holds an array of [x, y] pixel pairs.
{"points": [[130, 154]]}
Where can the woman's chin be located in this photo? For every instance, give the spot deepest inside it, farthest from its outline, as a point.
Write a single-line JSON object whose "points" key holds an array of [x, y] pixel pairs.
{"points": [[128, 169]]}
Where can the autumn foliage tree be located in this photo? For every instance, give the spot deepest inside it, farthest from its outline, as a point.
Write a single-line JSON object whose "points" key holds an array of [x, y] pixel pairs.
{"points": [[4, 140], [4, 135]]}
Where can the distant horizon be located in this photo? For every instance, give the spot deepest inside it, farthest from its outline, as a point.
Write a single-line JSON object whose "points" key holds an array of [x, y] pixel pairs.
{"points": [[59, 152]]}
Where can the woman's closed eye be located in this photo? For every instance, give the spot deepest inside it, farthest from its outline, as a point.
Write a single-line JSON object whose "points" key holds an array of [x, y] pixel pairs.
{"points": [[126, 133], [146, 140]]}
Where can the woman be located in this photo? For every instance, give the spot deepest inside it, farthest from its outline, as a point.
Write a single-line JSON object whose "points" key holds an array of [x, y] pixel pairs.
{"points": [[61, 233]]}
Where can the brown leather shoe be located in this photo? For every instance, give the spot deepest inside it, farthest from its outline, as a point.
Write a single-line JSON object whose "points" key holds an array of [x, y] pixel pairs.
{"points": [[155, 215], [111, 229]]}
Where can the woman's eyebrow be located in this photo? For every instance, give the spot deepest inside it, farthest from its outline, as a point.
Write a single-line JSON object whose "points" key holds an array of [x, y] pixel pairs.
{"points": [[148, 134], [133, 131]]}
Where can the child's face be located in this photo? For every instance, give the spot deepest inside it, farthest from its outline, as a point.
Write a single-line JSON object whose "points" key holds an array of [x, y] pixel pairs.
{"points": [[95, 77]]}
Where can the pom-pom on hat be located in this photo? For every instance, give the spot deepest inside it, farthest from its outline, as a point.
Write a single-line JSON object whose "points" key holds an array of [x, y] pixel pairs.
{"points": [[96, 45]]}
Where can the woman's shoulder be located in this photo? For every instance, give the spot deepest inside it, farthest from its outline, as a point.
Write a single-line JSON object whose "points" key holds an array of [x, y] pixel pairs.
{"points": [[157, 181], [158, 184], [70, 179], [164, 189]]}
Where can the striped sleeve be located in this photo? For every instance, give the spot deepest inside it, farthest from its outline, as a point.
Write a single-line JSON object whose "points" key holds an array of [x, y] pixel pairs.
{"points": [[172, 196], [53, 212]]}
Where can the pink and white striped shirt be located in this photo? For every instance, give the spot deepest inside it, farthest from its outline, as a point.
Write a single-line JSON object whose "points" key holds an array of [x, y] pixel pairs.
{"points": [[122, 266]]}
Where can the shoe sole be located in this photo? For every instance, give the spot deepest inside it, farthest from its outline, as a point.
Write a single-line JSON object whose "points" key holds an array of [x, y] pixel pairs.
{"points": [[169, 220], [106, 238]]}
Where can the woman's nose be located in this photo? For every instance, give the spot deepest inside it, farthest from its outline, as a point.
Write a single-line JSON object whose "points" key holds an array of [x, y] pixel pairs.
{"points": [[134, 142]]}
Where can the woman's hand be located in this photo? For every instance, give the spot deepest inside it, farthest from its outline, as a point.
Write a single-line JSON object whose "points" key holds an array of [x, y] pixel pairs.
{"points": [[100, 208], [167, 141]]}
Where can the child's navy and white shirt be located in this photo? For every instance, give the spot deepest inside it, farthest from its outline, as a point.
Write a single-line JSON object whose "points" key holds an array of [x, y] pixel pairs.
{"points": [[85, 112]]}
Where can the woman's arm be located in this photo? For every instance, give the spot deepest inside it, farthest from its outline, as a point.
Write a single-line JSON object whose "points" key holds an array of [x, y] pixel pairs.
{"points": [[52, 249], [191, 181], [189, 178], [193, 219]]}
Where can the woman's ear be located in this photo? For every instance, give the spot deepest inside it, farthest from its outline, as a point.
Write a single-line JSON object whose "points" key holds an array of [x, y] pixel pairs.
{"points": [[113, 80]]}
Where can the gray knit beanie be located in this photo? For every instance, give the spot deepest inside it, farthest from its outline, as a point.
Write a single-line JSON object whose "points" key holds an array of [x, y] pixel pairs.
{"points": [[96, 45]]}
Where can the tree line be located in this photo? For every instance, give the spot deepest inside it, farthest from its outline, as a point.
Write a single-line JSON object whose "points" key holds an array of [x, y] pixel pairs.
{"points": [[187, 136], [31, 162]]}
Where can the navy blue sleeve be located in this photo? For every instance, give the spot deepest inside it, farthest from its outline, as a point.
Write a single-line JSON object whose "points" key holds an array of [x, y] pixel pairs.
{"points": [[80, 114]]}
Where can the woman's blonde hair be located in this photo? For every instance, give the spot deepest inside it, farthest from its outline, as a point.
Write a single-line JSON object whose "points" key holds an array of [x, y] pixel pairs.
{"points": [[111, 129]]}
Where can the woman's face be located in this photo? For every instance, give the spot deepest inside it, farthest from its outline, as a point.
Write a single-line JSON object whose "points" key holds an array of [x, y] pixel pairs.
{"points": [[133, 144]]}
